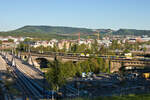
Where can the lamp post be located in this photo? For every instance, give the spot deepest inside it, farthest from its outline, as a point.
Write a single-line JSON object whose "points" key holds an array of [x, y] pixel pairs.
{"points": [[44, 86], [78, 83]]}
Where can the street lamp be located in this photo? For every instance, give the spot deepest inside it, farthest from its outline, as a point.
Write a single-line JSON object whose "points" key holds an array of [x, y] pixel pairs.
{"points": [[78, 83], [44, 86]]}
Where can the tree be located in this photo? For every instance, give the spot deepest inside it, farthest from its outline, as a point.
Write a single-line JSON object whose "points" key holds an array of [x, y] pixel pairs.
{"points": [[23, 47], [55, 48], [126, 51], [74, 48], [0, 42], [52, 75], [78, 69], [92, 65], [115, 45], [95, 46], [102, 50], [64, 47], [58, 73], [67, 70], [10, 40], [144, 49], [27, 40], [70, 47]]}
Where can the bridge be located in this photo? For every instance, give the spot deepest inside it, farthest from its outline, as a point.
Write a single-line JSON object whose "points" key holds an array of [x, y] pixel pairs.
{"points": [[117, 64], [32, 58]]}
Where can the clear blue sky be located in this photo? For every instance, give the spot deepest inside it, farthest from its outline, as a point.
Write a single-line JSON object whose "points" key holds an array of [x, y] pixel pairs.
{"points": [[113, 14]]}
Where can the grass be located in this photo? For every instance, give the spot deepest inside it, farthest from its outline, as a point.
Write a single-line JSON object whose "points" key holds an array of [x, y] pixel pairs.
{"points": [[44, 69]]}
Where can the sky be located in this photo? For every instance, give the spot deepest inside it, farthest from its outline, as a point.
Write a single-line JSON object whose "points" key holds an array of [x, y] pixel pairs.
{"points": [[94, 14]]}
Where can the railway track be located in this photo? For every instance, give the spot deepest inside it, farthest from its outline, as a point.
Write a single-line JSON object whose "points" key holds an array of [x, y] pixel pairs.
{"points": [[29, 71], [20, 84], [26, 81]]}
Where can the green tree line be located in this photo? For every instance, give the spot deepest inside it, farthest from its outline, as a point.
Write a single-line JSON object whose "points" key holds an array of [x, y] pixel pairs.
{"points": [[58, 72]]}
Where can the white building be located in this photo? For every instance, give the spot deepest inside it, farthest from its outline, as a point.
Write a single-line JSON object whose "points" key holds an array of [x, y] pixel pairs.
{"points": [[50, 43]]}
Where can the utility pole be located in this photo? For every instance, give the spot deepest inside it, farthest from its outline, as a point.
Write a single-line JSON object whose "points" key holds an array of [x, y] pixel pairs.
{"points": [[78, 84], [44, 94]]}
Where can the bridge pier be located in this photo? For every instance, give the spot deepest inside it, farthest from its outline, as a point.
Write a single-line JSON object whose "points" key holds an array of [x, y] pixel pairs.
{"points": [[15, 54], [12, 52], [30, 60], [2, 53], [6, 55], [115, 66], [19, 55], [13, 63]]}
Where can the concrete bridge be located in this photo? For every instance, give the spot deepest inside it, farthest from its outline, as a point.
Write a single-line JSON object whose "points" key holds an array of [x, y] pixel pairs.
{"points": [[117, 64], [32, 58]]}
